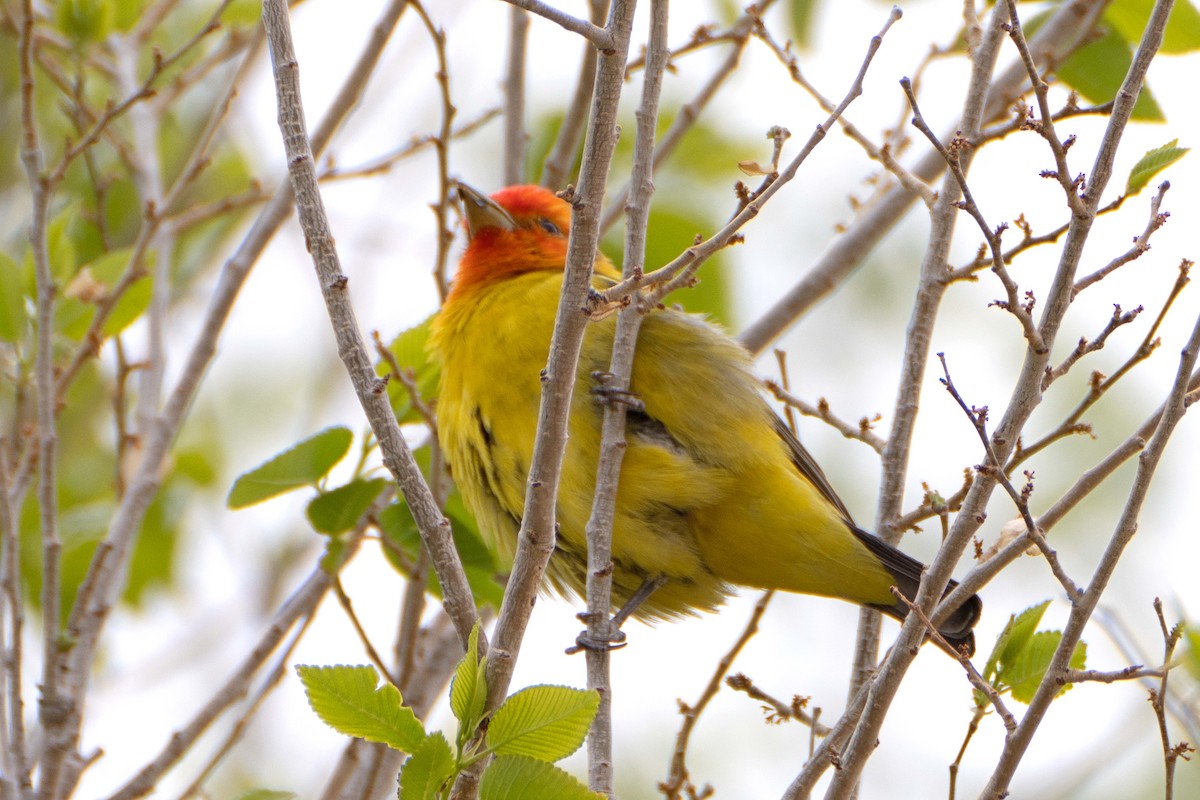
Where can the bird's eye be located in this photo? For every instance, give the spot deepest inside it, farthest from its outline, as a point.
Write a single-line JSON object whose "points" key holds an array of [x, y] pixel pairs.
{"points": [[549, 227]]}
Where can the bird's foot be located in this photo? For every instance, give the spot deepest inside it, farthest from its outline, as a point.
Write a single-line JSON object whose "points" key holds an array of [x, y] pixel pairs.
{"points": [[607, 637], [606, 393]]}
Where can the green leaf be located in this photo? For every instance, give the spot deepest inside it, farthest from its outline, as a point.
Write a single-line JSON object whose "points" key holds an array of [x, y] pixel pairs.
{"points": [[1025, 671], [544, 722], [1191, 656], [1129, 17], [266, 794], [303, 464], [522, 778], [242, 12], [1097, 71], [13, 319], [802, 15], [410, 350], [427, 770], [84, 20], [479, 563], [1014, 636], [468, 689], [347, 700], [1152, 163], [340, 509], [94, 282], [126, 13]]}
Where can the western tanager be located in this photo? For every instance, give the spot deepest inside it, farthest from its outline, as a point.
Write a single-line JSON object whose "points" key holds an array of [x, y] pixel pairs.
{"points": [[714, 489]]}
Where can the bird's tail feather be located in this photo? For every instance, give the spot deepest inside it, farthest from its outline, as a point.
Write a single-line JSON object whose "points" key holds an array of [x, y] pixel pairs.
{"points": [[956, 629]]}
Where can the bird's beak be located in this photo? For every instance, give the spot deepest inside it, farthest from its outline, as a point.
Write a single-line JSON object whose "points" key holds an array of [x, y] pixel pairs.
{"points": [[482, 212]]}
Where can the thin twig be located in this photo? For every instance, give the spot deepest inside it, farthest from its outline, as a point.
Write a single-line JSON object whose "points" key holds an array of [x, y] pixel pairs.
{"points": [[978, 417], [601, 38], [977, 681], [861, 432], [441, 143], [536, 535], [780, 711], [680, 271], [678, 774]]}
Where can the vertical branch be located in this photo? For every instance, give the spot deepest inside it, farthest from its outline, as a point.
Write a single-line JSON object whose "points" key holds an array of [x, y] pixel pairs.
{"points": [[15, 762], [441, 145], [930, 290], [433, 525], [612, 441], [54, 713], [562, 154], [1025, 397], [147, 176], [514, 97], [535, 540]]}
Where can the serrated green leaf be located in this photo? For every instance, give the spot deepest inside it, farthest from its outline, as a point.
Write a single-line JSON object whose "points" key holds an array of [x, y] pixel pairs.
{"points": [[427, 770], [340, 509], [13, 319], [523, 778], [1129, 18], [468, 689], [1152, 163], [1024, 672], [1097, 71], [303, 464], [347, 700], [543, 722], [1012, 639]]}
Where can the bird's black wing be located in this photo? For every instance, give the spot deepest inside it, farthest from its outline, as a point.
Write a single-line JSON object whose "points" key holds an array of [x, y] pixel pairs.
{"points": [[808, 467]]}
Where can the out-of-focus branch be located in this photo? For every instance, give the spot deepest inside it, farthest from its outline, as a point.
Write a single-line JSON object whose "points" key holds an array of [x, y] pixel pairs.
{"points": [[566, 145], [737, 35], [515, 135], [601, 38], [298, 609]]}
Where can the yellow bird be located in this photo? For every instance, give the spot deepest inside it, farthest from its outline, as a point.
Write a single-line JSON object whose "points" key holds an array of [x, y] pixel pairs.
{"points": [[714, 489]]}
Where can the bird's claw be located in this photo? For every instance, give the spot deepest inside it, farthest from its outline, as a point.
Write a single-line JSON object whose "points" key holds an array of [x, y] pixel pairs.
{"points": [[611, 394], [598, 644]]}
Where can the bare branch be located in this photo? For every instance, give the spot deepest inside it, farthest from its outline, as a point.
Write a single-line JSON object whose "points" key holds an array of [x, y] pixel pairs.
{"points": [[601, 38], [678, 776], [432, 524]]}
